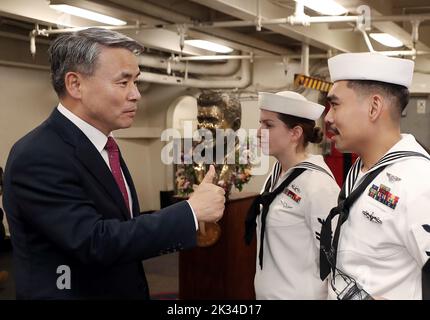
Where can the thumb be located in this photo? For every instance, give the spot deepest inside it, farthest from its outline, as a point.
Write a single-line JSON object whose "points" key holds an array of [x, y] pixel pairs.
{"points": [[209, 175]]}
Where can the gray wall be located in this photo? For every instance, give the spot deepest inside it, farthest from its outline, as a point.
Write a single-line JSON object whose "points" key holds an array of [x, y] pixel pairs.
{"points": [[416, 123]]}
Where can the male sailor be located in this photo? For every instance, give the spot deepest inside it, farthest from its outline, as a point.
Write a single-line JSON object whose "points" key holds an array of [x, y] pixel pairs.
{"points": [[381, 240]]}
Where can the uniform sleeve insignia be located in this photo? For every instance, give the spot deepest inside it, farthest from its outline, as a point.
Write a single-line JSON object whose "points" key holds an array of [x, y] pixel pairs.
{"points": [[383, 195]]}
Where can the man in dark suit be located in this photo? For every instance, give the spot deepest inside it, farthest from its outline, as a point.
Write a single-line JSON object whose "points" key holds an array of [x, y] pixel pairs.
{"points": [[69, 198]]}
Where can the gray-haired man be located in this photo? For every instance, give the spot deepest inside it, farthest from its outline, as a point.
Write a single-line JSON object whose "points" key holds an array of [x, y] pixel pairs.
{"points": [[69, 197]]}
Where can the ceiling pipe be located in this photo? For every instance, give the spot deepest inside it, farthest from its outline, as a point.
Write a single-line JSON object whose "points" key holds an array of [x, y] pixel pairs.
{"points": [[307, 20], [32, 36], [251, 57], [293, 20], [215, 57], [243, 82], [415, 32], [412, 53], [299, 9], [48, 32], [258, 18], [15, 36], [367, 39], [222, 69], [305, 59]]}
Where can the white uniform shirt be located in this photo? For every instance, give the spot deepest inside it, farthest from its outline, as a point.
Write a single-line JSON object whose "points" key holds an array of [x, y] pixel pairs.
{"points": [[384, 243], [291, 250]]}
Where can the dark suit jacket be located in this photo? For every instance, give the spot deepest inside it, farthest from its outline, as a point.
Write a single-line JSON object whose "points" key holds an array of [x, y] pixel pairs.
{"points": [[64, 208], [2, 229]]}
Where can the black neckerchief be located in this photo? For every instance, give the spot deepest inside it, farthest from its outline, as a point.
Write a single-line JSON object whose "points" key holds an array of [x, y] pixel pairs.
{"points": [[265, 199]]}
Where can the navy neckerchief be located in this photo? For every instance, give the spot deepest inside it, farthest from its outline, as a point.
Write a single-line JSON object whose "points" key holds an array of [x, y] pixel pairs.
{"points": [[267, 197]]}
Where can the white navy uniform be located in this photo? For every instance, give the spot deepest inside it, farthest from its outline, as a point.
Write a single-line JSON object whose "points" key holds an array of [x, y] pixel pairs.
{"points": [[291, 250], [385, 241]]}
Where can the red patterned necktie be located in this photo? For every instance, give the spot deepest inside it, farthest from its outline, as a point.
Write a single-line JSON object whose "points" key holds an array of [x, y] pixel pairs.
{"points": [[115, 166]]}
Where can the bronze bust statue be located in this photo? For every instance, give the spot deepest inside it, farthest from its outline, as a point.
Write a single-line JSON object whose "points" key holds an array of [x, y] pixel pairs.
{"points": [[218, 114]]}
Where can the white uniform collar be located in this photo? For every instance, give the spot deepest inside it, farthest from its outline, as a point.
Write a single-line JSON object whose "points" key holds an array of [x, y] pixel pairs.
{"points": [[397, 153], [408, 143], [97, 138], [312, 162]]}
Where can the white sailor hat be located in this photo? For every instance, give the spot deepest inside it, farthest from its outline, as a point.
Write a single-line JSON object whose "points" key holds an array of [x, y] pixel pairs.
{"points": [[291, 103], [371, 66]]}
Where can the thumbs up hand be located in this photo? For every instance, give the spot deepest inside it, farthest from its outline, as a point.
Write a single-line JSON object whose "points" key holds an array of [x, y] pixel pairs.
{"points": [[209, 177], [208, 199]]}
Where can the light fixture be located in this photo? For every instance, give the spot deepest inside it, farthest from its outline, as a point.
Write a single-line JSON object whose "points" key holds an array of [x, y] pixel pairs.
{"points": [[87, 14], [387, 40], [208, 45], [326, 7]]}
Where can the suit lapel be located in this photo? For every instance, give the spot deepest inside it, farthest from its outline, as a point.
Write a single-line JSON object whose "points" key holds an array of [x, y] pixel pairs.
{"points": [[88, 155], [91, 158]]}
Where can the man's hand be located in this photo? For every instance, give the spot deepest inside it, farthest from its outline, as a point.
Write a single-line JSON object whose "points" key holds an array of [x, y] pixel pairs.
{"points": [[208, 199]]}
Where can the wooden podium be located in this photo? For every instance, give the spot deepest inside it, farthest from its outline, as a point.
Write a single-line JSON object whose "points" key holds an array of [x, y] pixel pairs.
{"points": [[226, 269]]}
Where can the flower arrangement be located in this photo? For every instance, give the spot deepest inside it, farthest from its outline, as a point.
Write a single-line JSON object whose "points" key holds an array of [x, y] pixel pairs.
{"points": [[184, 180], [242, 177]]}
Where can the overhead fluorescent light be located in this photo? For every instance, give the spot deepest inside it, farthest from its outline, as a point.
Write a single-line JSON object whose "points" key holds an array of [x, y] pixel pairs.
{"points": [[208, 45], [87, 14], [387, 40], [326, 7]]}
